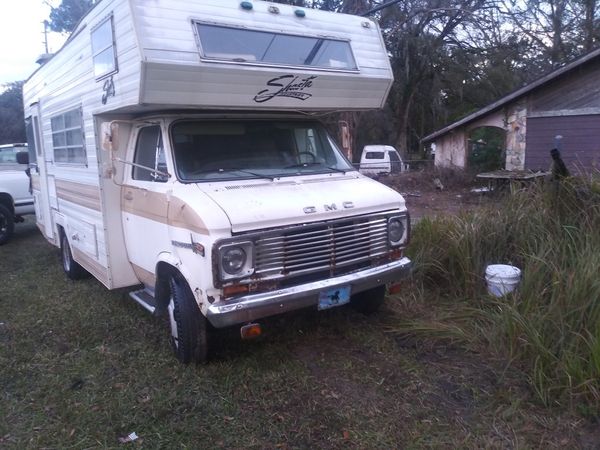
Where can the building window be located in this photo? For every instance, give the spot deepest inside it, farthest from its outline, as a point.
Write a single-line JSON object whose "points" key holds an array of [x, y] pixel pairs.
{"points": [[265, 47], [103, 48], [67, 138]]}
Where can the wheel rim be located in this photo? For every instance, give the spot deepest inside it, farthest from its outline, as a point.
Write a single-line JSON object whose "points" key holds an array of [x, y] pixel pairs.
{"points": [[3, 224], [173, 322], [66, 256]]}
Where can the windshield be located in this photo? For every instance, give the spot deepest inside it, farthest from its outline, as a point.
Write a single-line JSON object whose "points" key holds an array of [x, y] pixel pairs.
{"points": [[219, 150]]}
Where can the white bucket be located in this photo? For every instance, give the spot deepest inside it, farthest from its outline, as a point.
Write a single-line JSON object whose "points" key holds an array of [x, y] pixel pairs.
{"points": [[502, 279]]}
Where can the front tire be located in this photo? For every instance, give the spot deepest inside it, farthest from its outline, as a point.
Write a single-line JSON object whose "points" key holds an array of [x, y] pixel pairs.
{"points": [[189, 334], [7, 224], [369, 301], [72, 269]]}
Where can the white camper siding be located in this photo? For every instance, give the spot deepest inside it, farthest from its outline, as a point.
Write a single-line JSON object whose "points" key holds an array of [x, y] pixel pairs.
{"points": [[174, 73], [68, 82]]}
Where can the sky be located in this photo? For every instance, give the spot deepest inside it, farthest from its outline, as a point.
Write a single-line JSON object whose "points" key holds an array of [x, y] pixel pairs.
{"points": [[22, 37]]}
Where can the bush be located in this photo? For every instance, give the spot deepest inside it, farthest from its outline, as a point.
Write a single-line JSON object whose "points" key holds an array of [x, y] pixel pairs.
{"points": [[550, 327]]}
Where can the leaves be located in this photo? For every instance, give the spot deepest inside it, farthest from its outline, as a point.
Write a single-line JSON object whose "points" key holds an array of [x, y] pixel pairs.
{"points": [[12, 127]]}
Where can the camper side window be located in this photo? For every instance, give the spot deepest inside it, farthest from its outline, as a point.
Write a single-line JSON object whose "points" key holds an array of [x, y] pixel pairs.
{"points": [[150, 160], [103, 48], [67, 138]]}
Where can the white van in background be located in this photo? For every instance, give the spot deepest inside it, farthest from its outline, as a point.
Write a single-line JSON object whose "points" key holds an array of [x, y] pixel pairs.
{"points": [[381, 159]]}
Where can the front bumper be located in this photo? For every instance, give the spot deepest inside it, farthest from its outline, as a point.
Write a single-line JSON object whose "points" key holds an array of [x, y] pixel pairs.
{"points": [[244, 309]]}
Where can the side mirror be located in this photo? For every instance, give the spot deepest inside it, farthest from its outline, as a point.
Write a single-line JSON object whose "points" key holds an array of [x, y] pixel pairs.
{"points": [[23, 158], [110, 136]]}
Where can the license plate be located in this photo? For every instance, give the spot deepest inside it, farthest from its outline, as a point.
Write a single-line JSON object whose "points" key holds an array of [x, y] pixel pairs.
{"points": [[334, 297]]}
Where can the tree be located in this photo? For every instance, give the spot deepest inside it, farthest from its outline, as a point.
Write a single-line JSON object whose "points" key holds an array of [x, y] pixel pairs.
{"points": [[65, 17], [12, 127]]}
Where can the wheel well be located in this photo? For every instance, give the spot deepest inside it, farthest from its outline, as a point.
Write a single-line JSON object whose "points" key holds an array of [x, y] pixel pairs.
{"points": [[162, 289], [7, 201]]}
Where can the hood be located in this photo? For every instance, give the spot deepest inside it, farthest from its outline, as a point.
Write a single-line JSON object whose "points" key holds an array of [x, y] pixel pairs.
{"points": [[260, 204]]}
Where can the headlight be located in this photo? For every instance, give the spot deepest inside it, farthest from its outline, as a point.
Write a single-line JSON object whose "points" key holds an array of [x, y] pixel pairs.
{"points": [[235, 260], [396, 230]]}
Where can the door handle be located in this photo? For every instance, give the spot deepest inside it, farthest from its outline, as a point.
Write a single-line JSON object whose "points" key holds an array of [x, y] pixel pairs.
{"points": [[128, 195]]}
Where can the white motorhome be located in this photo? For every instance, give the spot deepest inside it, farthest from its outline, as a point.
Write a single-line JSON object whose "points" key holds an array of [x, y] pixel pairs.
{"points": [[178, 151]]}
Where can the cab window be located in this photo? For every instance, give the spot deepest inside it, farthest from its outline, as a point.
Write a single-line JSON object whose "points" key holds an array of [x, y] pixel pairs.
{"points": [[150, 160]]}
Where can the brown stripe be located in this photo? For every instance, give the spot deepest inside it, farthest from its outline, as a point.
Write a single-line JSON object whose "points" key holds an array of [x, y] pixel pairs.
{"points": [[155, 206], [145, 277], [144, 203], [91, 265], [81, 194], [183, 216]]}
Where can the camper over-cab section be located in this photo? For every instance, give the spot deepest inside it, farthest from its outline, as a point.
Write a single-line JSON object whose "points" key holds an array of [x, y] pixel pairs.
{"points": [[134, 55]]}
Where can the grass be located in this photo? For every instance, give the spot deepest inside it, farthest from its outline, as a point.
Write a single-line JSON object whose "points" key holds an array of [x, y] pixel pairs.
{"points": [[550, 328], [81, 366]]}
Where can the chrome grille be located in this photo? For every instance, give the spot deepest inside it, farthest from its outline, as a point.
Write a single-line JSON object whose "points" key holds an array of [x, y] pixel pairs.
{"points": [[332, 247]]}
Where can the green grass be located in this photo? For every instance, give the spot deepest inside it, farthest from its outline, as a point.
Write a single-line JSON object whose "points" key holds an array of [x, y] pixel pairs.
{"points": [[550, 328], [81, 366]]}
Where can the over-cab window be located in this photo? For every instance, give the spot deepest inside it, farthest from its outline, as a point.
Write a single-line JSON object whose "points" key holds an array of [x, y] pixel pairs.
{"points": [[265, 47], [103, 48], [68, 138], [375, 155], [150, 160]]}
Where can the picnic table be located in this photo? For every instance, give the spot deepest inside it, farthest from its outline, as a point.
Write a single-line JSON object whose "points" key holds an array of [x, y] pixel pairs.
{"points": [[501, 178]]}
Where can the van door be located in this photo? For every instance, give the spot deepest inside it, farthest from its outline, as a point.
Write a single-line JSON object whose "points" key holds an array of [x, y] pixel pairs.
{"points": [[39, 173], [144, 203]]}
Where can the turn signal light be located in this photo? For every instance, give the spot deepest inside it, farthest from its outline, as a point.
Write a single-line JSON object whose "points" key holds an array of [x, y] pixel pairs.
{"points": [[394, 289], [251, 331], [230, 291]]}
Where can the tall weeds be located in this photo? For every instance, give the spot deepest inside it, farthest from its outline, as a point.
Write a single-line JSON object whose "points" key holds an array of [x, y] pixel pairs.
{"points": [[550, 327]]}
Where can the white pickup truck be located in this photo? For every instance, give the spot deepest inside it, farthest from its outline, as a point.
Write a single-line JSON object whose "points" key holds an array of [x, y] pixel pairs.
{"points": [[16, 199]]}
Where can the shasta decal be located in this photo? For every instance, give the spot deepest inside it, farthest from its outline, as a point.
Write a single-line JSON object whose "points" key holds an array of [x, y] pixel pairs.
{"points": [[286, 86]]}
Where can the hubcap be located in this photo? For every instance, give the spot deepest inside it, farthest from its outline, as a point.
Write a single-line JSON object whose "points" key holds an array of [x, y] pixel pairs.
{"points": [[3, 224]]}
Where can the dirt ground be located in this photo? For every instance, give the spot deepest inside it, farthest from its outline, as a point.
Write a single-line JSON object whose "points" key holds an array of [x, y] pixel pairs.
{"points": [[426, 198]]}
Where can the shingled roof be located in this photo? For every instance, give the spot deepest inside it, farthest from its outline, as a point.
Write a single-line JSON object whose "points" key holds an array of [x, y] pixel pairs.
{"points": [[515, 95]]}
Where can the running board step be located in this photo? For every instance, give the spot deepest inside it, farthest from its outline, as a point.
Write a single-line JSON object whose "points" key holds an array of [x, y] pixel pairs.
{"points": [[145, 298]]}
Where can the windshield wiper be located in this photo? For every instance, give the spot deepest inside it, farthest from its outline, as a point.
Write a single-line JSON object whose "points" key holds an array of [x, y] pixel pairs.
{"points": [[311, 164], [234, 169]]}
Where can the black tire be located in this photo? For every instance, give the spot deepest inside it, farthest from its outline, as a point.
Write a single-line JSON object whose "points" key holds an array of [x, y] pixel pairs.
{"points": [[7, 224], [368, 302], [189, 328], [72, 269]]}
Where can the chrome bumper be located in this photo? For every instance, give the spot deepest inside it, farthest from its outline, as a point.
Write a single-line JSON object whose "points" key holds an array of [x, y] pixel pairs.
{"points": [[244, 309]]}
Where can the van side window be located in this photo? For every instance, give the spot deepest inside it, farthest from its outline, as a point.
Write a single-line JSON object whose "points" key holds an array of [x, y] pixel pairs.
{"points": [[150, 153], [374, 155], [103, 48]]}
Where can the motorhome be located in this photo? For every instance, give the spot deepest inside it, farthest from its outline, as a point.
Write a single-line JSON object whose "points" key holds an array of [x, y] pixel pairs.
{"points": [[176, 148]]}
